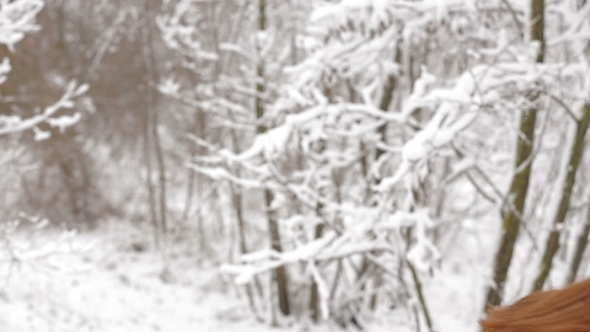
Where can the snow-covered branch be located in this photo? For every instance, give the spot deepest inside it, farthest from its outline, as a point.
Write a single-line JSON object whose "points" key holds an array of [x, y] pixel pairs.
{"points": [[14, 124], [17, 18]]}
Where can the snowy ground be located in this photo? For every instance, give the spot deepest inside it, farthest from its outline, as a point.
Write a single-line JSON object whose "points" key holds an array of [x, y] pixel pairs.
{"points": [[106, 285], [111, 287]]}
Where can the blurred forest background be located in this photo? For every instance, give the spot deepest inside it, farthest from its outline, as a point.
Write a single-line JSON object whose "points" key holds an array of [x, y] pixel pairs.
{"points": [[335, 161]]}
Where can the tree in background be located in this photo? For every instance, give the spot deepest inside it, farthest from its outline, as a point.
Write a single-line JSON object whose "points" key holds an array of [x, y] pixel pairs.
{"points": [[514, 212], [19, 19], [575, 158], [47, 120], [98, 43]]}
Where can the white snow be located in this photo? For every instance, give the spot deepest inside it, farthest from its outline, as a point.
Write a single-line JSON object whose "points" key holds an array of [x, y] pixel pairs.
{"points": [[108, 287]]}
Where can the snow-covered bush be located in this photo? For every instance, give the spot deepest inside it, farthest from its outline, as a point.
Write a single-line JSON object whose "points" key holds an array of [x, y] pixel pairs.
{"points": [[390, 109]]}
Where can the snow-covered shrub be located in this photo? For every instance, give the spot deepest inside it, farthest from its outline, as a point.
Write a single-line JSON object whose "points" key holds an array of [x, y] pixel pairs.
{"points": [[391, 108]]}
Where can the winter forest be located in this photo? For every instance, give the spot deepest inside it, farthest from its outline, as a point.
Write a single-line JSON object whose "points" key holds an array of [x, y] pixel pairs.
{"points": [[289, 165]]}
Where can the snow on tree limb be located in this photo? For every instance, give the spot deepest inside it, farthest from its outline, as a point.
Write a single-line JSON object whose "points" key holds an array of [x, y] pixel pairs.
{"points": [[10, 125], [17, 18], [323, 249]]}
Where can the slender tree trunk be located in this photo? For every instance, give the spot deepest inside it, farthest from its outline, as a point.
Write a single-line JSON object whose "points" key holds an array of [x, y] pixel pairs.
{"points": [[314, 295], [386, 99], [237, 200], [147, 152], [392, 83], [580, 250], [149, 185], [577, 151], [280, 273], [421, 299], [202, 233], [199, 129], [152, 102], [319, 230], [520, 180], [236, 191], [190, 189], [582, 239], [190, 186], [416, 278], [388, 90]]}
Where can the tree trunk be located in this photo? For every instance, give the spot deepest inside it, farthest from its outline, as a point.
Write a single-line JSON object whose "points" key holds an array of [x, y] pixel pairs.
{"points": [[577, 151], [199, 128], [147, 152], [386, 99], [580, 249], [583, 238], [416, 278], [314, 296], [520, 180], [280, 273], [420, 293], [150, 63]]}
